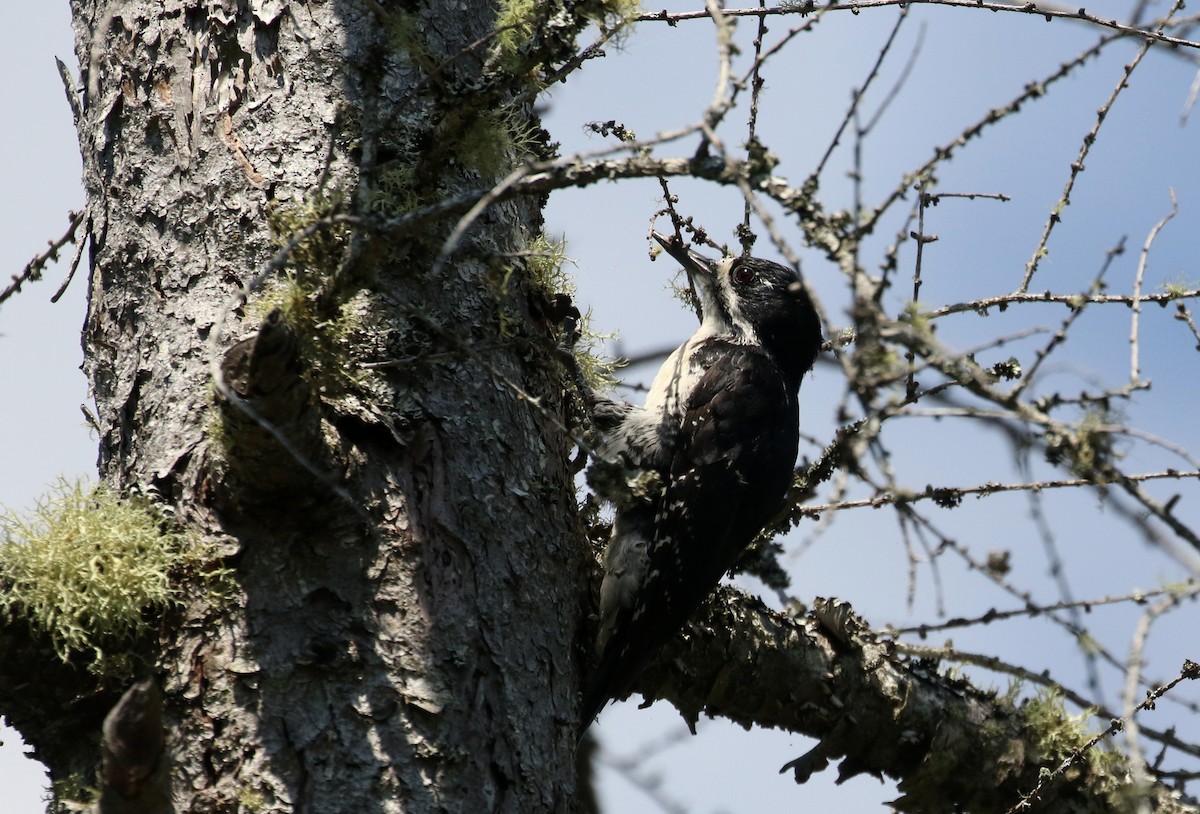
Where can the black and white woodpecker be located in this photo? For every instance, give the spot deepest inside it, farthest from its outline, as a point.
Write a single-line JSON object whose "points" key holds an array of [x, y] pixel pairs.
{"points": [[719, 431]]}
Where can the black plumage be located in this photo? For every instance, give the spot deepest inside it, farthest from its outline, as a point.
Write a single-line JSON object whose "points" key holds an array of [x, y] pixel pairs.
{"points": [[720, 429]]}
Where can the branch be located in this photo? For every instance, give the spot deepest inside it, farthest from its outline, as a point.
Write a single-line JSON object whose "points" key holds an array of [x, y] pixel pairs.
{"points": [[33, 269], [1047, 12], [134, 775], [952, 495], [267, 404], [1077, 166], [825, 675], [1070, 300]]}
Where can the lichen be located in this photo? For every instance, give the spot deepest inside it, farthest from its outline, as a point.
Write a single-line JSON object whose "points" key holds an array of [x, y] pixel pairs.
{"points": [[1087, 448], [521, 23], [494, 140], [395, 193], [251, 800], [313, 300], [91, 570], [1179, 287], [1058, 736], [71, 794], [546, 265], [515, 26]]}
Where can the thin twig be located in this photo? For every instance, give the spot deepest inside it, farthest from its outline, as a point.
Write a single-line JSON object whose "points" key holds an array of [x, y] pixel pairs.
{"points": [[1136, 305], [1190, 672], [1077, 166], [1151, 35], [952, 495], [857, 94], [982, 306], [1060, 336], [33, 269], [993, 615]]}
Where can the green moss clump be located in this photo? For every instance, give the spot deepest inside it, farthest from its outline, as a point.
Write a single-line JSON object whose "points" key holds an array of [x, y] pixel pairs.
{"points": [[396, 191], [90, 569], [1060, 736], [311, 296], [514, 29], [71, 794], [323, 248], [494, 140], [1058, 733], [520, 22]]}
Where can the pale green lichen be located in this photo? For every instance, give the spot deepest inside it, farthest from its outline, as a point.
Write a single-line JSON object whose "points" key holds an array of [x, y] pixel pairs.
{"points": [[90, 570], [1059, 736], [251, 800], [396, 191], [496, 140], [546, 263], [1087, 448], [515, 25], [310, 296], [71, 794], [1179, 287], [518, 23]]}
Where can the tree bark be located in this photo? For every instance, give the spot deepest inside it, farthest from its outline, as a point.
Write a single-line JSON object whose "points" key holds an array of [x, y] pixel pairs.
{"points": [[408, 563], [377, 442]]}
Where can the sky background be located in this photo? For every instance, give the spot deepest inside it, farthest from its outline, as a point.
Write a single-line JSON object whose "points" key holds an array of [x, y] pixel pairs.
{"points": [[660, 78]]}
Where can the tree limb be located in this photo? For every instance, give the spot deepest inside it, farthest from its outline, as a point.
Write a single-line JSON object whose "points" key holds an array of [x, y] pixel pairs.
{"points": [[953, 747]]}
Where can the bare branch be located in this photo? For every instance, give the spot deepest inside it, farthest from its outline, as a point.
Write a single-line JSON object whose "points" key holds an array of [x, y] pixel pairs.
{"points": [[1136, 305], [33, 269], [1151, 33]]}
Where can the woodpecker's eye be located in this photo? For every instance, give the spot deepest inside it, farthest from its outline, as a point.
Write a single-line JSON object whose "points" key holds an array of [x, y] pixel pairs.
{"points": [[743, 274]]}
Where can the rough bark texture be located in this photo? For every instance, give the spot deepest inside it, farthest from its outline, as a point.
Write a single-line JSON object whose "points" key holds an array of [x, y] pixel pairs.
{"points": [[403, 633], [953, 747], [387, 471]]}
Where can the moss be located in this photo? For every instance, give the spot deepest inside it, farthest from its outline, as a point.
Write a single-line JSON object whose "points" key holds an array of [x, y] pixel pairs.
{"points": [[546, 264], [91, 570], [396, 191], [520, 22], [322, 249], [310, 295], [495, 140], [1059, 736], [1056, 734], [1179, 287], [71, 794]]}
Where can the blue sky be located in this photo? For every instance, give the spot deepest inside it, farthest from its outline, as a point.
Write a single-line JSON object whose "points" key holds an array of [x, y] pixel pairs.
{"points": [[661, 78]]}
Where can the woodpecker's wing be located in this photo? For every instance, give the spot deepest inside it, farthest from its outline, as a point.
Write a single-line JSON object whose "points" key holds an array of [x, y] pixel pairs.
{"points": [[729, 474]]}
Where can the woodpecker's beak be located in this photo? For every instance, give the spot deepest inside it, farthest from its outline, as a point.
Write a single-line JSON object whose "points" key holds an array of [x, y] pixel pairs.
{"points": [[693, 262]]}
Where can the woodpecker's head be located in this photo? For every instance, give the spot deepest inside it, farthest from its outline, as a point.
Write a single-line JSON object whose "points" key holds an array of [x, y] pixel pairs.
{"points": [[754, 302]]}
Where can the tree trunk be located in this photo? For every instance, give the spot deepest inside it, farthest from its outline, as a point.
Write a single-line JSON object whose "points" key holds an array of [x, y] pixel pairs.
{"points": [[346, 385], [386, 464]]}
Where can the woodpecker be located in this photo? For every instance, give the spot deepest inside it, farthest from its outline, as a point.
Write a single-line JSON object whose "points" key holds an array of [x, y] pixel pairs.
{"points": [[719, 433]]}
